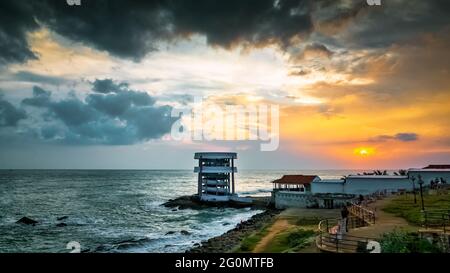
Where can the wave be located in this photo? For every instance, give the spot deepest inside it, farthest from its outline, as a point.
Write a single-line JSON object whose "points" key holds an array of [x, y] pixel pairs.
{"points": [[256, 191]]}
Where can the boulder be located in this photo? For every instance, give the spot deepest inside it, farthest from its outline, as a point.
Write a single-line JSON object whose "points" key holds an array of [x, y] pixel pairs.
{"points": [[61, 225], [27, 221], [185, 232], [170, 232]]}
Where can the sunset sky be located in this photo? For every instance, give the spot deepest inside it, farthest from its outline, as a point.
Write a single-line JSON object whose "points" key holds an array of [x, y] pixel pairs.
{"points": [[92, 86]]}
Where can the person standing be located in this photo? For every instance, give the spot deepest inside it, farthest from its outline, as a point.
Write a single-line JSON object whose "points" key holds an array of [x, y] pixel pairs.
{"points": [[344, 215]]}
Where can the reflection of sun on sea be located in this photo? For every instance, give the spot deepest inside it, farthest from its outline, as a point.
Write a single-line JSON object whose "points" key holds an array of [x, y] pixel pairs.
{"points": [[364, 151]]}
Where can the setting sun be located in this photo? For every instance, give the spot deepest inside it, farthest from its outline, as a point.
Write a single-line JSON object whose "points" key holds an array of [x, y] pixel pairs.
{"points": [[364, 151]]}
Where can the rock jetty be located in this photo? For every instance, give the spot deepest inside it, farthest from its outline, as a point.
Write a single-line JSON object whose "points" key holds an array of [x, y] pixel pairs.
{"points": [[193, 202]]}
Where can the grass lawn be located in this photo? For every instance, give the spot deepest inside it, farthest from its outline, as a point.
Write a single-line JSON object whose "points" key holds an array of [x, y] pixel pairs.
{"points": [[300, 235], [249, 242], [291, 240], [403, 206]]}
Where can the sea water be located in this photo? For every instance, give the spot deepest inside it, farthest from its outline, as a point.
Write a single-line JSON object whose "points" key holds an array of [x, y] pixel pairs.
{"points": [[117, 210]]}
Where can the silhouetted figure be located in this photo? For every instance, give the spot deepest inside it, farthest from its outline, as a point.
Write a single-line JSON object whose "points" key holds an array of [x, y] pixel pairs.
{"points": [[344, 215], [361, 199]]}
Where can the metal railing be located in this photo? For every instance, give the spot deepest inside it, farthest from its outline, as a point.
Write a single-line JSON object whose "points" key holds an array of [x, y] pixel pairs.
{"points": [[331, 238], [437, 219], [346, 243], [364, 214]]}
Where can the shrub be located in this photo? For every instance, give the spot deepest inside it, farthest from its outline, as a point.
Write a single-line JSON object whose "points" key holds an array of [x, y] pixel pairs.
{"points": [[406, 242]]}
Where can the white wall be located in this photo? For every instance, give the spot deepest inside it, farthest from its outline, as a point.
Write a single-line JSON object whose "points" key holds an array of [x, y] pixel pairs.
{"points": [[327, 187], [427, 176], [354, 185], [289, 199]]}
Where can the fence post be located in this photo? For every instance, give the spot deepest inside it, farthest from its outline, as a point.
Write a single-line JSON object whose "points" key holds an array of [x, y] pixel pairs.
{"points": [[443, 222], [337, 243], [425, 219]]}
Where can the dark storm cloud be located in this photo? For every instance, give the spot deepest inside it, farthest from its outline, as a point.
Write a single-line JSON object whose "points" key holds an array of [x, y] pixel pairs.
{"points": [[16, 19], [254, 21], [404, 137], [9, 114], [119, 116], [132, 29], [107, 86], [396, 22], [314, 50], [41, 98]]}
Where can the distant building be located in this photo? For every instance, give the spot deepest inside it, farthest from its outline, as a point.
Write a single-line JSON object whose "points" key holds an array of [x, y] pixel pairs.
{"points": [[215, 176], [298, 183], [431, 173], [312, 191], [362, 184]]}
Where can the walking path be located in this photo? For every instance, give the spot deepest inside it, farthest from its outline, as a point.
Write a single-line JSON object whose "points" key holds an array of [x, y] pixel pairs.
{"points": [[279, 226], [385, 222]]}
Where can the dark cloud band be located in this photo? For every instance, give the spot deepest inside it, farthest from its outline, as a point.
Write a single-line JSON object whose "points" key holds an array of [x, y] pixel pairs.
{"points": [[113, 114]]}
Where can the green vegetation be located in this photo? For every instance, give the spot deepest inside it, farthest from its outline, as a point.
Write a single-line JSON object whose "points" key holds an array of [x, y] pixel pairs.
{"points": [[290, 241], [403, 206], [406, 242], [249, 242], [307, 221]]}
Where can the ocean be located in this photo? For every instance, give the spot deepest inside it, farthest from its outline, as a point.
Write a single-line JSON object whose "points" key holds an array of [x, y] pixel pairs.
{"points": [[117, 210]]}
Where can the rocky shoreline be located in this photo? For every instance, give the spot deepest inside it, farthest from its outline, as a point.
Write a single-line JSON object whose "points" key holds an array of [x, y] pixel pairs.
{"points": [[232, 238], [193, 202]]}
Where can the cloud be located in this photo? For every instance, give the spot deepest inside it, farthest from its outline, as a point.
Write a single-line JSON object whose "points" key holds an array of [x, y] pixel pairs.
{"points": [[298, 72], [26, 76], [395, 22], [107, 86], [117, 115], [16, 21], [132, 29], [311, 51], [404, 137], [40, 98], [9, 114]]}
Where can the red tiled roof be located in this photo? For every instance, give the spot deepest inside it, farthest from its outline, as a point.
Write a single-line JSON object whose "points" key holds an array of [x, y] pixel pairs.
{"points": [[295, 179], [437, 167]]}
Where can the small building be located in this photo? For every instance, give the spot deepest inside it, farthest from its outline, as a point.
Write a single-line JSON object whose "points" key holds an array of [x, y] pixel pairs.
{"points": [[298, 183], [431, 173], [298, 191], [369, 184], [312, 191]]}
